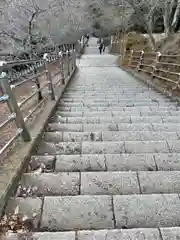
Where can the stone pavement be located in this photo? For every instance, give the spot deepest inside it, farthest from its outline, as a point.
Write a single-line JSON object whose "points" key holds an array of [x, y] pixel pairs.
{"points": [[110, 161]]}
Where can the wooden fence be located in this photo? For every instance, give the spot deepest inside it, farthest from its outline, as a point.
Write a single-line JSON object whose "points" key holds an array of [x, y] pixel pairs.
{"points": [[164, 67]]}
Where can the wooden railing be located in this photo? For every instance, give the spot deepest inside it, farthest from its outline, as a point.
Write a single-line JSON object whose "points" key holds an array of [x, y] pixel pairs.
{"points": [[159, 66], [20, 100]]}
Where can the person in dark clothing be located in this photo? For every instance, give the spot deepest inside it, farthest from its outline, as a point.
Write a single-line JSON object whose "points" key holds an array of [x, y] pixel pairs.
{"points": [[101, 47], [104, 47]]}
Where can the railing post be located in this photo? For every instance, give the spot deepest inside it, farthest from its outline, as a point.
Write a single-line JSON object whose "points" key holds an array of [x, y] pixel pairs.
{"points": [[40, 97], [177, 84], [14, 108], [68, 62], [130, 58], [49, 79], [140, 61], [72, 64], [74, 58], [157, 60], [61, 59]]}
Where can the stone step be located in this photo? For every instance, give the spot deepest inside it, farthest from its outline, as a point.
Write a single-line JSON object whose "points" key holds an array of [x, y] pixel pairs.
{"points": [[107, 104], [112, 97], [115, 108], [115, 147], [51, 184], [121, 102], [172, 233], [119, 108], [100, 183], [159, 100], [110, 162], [157, 127], [116, 162], [95, 212], [112, 91], [109, 136], [120, 111], [99, 88], [85, 114], [96, 113], [66, 117], [114, 119]]}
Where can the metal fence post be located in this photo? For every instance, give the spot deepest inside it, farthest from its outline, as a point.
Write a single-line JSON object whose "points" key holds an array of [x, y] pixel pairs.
{"points": [[14, 108], [140, 60], [72, 67], [40, 96], [49, 79], [68, 62], [74, 58], [61, 59]]}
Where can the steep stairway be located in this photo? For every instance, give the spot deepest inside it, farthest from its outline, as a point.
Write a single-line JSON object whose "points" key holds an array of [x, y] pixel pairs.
{"points": [[108, 166]]}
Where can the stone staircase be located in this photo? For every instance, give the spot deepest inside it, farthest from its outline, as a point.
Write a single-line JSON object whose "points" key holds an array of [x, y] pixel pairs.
{"points": [[108, 166]]}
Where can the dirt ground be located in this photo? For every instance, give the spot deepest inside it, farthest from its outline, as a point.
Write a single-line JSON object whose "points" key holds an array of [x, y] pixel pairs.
{"points": [[21, 93]]}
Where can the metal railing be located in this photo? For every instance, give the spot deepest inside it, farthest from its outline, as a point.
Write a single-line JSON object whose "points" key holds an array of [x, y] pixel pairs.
{"points": [[45, 77]]}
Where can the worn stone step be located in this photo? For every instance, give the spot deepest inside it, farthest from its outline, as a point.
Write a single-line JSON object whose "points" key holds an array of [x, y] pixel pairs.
{"points": [[70, 235], [115, 147], [101, 183], [82, 127], [147, 211], [116, 108], [139, 136], [109, 183], [170, 119], [159, 182], [119, 99], [96, 212], [52, 184], [85, 183], [130, 234], [37, 161], [127, 147], [27, 207], [108, 104], [114, 234], [118, 102], [114, 119], [110, 94], [109, 136], [72, 136], [68, 212], [116, 162], [83, 114], [100, 90], [118, 112], [121, 115], [164, 127]]}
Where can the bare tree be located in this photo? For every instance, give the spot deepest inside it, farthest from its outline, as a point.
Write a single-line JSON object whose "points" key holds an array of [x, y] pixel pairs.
{"points": [[29, 24]]}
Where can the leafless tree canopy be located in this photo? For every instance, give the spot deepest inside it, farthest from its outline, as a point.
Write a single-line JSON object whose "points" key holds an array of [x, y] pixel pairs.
{"points": [[29, 25]]}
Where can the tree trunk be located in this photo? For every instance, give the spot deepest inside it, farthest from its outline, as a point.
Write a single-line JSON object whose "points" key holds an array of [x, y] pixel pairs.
{"points": [[148, 27], [176, 16], [167, 14]]}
